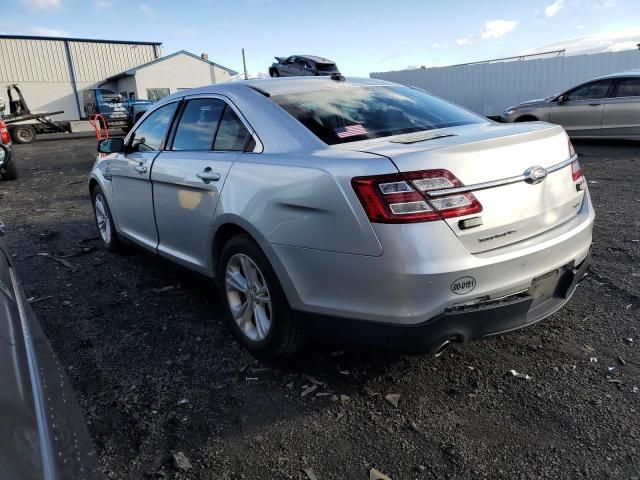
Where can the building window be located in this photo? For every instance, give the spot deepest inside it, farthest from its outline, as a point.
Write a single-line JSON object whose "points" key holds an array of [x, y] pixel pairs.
{"points": [[155, 94]]}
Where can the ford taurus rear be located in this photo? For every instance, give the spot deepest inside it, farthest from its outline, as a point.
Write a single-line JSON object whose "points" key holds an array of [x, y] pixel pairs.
{"points": [[484, 228]]}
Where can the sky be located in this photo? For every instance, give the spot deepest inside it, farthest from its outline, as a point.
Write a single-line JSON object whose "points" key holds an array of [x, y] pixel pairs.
{"points": [[362, 36]]}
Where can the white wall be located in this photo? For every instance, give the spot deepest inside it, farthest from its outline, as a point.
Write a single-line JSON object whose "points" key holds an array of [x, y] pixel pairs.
{"points": [[219, 75], [180, 71], [126, 84], [40, 67], [489, 88]]}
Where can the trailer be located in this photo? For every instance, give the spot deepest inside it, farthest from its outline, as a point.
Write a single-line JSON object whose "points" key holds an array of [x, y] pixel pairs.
{"points": [[19, 113]]}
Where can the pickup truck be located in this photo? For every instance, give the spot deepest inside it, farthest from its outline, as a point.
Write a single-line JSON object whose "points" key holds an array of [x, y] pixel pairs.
{"points": [[118, 111]]}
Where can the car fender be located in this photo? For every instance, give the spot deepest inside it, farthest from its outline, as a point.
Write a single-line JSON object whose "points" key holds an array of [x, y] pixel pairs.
{"points": [[101, 176], [225, 219]]}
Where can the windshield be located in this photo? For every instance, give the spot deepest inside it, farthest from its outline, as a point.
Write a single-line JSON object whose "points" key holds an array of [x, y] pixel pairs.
{"points": [[341, 115]]}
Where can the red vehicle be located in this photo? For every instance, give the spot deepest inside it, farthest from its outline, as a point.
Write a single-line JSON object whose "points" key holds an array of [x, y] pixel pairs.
{"points": [[8, 168]]}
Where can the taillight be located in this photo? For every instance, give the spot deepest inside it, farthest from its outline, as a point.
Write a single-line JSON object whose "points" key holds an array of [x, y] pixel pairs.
{"points": [[4, 134], [576, 172], [404, 198]]}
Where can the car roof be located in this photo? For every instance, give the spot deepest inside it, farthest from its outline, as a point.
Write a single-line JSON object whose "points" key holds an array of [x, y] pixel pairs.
{"points": [[314, 58], [278, 86], [626, 73]]}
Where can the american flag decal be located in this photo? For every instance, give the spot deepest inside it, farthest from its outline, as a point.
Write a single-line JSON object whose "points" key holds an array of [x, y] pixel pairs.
{"points": [[350, 131]]}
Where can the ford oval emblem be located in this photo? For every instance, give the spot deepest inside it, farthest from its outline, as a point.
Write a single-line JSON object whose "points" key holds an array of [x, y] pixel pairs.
{"points": [[463, 285], [535, 174]]}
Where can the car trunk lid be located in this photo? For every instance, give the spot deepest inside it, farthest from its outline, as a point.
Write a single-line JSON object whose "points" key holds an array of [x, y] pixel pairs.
{"points": [[494, 158]]}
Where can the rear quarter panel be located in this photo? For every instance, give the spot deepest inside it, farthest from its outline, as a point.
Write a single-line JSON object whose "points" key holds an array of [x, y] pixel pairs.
{"points": [[302, 200]]}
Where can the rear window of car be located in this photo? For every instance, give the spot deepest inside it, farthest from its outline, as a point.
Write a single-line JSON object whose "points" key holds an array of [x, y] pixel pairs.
{"points": [[628, 87], [326, 67], [349, 114]]}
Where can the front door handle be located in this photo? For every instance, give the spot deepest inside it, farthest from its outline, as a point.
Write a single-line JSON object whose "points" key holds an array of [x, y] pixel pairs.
{"points": [[208, 176], [141, 169]]}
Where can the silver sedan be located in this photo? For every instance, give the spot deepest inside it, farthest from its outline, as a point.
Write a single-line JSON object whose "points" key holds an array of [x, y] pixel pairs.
{"points": [[607, 106], [350, 208]]}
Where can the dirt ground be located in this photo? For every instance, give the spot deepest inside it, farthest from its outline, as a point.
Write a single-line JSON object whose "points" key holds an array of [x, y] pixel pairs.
{"points": [[157, 373]]}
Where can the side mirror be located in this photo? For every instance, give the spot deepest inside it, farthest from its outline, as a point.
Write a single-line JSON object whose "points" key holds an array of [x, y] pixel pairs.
{"points": [[111, 145]]}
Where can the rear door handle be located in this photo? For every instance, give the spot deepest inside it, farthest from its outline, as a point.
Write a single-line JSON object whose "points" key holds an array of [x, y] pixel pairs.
{"points": [[141, 169], [208, 176]]}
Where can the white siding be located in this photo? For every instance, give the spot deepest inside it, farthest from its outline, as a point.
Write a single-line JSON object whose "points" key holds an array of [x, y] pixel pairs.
{"points": [[40, 67], [219, 75], [179, 71], [32, 61], [94, 62], [489, 88]]}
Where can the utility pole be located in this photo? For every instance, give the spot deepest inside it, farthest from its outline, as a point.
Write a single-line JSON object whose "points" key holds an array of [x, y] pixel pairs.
{"points": [[244, 63]]}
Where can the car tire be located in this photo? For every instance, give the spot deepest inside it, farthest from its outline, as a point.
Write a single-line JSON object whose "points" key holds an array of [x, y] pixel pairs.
{"points": [[275, 73], [104, 220], [248, 284], [11, 172], [23, 134]]}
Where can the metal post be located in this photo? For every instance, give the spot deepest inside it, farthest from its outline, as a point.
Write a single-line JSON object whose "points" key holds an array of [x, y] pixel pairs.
{"points": [[244, 63], [72, 72]]}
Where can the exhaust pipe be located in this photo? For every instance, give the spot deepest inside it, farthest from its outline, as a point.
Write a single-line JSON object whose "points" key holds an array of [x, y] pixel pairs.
{"points": [[440, 350]]}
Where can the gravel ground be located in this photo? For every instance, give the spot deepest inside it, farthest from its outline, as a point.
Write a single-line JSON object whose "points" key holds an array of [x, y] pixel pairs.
{"points": [[168, 394]]}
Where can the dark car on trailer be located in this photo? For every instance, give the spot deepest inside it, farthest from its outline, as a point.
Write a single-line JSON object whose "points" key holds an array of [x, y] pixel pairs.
{"points": [[43, 434], [8, 167], [302, 65]]}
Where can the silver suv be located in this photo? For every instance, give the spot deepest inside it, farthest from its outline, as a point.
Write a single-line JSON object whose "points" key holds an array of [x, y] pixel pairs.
{"points": [[607, 106], [358, 209]]}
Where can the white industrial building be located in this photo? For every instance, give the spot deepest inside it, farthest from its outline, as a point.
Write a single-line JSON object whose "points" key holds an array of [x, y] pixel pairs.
{"points": [[489, 87], [163, 76], [52, 72]]}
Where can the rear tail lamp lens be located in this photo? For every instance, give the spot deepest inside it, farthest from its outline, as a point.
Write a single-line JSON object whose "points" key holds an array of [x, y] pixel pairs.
{"points": [[576, 171], [404, 198], [4, 134]]}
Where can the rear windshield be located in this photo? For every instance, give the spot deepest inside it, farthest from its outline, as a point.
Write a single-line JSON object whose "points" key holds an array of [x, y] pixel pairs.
{"points": [[326, 67], [341, 115]]}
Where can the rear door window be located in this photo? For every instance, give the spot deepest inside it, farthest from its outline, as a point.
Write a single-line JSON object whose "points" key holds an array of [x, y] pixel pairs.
{"points": [[232, 134], [628, 87], [326, 67], [301, 62], [198, 124], [591, 91]]}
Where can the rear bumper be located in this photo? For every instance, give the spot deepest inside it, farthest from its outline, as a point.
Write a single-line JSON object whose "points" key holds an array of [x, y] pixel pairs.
{"points": [[545, 296], [416, 278]]}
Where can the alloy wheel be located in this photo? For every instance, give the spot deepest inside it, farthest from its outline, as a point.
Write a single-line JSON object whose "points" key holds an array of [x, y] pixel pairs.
{"points": [[248, 297], [102, 218]]}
